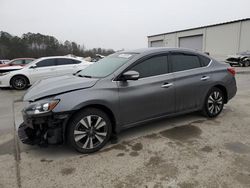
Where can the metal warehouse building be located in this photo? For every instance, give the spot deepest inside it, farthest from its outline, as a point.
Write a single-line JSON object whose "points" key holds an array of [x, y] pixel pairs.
{"points": [[219, 40]]}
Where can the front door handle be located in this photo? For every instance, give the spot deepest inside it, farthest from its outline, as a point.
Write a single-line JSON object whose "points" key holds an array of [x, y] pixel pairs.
{"points": [[167, 85], [203, 78]]}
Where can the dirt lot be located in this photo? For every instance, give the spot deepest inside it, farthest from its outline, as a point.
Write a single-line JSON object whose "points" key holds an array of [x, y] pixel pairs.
{"points": [[186, 151]]}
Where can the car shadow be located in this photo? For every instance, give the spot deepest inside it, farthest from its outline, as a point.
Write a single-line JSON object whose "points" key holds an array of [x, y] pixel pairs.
{"points": [[64, 151]]}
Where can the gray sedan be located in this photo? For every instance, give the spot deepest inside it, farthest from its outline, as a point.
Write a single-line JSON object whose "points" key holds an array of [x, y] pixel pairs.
{"points": [[123, 90]]}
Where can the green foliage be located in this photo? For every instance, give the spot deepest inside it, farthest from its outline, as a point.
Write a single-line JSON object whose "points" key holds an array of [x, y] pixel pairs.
{"points": [[37, 45]]}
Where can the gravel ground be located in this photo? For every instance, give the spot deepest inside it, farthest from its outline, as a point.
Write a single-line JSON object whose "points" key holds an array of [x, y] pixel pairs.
{"points": [[185, 151]]}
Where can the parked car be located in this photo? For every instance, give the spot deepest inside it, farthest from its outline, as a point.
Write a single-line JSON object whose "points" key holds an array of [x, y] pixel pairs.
{"points": [[41, 68], [15, 64], [4, 61], [241, 59], [124, 90]]}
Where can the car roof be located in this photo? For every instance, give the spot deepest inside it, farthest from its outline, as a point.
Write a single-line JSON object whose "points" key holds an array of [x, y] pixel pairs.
{"points": [[54, 57], [145, 51], [22, 58]]}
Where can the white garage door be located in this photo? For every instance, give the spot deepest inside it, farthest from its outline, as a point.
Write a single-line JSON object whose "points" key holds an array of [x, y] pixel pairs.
{"points": [[157, 43], [192, 42]]}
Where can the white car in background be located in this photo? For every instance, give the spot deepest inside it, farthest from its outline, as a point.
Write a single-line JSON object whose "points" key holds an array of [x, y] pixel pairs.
{"points": [[4, 61], [41, 68]]}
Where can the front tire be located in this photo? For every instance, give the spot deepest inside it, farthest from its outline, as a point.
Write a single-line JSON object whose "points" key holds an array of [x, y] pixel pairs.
{"points": [[19, 82], [214, 103], [246, 64], [89, 130]]}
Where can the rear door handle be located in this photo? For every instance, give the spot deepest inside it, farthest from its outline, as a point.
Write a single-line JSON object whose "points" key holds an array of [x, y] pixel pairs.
{"points": [[167, 85], [203, 78]]}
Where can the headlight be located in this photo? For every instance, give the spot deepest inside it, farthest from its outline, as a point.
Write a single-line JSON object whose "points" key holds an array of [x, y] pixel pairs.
{"points": [[40, 108]]}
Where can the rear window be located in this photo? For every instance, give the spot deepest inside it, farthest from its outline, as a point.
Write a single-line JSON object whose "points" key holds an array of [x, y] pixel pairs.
{"points": [[65, 61], [181, 62]]}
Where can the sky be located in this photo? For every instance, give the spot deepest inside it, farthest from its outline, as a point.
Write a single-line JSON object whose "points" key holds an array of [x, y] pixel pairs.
{"points": [[113, 23]]}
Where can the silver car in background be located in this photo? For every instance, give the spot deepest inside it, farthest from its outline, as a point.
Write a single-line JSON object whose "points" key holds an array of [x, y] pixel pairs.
{"points": [[123, 90]]}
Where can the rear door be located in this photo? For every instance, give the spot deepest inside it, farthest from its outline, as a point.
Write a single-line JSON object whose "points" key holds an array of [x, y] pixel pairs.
{"points": [[191, 78], [150, 96], [66, 66]]}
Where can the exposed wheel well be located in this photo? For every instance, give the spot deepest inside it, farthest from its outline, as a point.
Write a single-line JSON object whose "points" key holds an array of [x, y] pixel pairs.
{"points": [[224, 90], [100, 107], [22, 76]]}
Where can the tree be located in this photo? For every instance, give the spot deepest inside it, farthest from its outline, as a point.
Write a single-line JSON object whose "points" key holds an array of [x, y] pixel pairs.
{"points": [[38, 45]]}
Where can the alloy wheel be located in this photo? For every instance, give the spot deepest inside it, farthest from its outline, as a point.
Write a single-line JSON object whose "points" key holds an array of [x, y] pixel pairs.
{"points": [[90, 132], [215, 102], [19, 83]]}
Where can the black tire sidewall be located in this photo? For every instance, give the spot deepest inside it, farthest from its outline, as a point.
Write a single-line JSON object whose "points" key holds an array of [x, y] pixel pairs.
{"points": [[12, 82], [205, 106], [247, 63], [73, 123]]}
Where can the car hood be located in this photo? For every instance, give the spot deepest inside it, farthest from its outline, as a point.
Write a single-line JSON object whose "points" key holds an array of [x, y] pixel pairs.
{"points": [[57, 85], [16, 67]]}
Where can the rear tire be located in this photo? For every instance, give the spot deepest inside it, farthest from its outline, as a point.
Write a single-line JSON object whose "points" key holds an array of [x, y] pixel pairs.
{"points": [[19, 82], [214, 103], [246, 64], [89, 130]]}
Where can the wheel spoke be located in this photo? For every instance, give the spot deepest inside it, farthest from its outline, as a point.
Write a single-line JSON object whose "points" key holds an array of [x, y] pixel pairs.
{"points": [[101, 134], [211, 108], [211, 98], [101, 125], [97, 122], [76, 132], [99, 138], [219, 101], [218, 108], [86, 143], [91, 143], [79, 137], [89, 121], [84, 123], [210, 101], [216, 95]]}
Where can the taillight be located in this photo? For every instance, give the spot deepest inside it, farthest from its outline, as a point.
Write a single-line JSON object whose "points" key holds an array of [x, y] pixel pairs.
{"points": [[231, 70]]}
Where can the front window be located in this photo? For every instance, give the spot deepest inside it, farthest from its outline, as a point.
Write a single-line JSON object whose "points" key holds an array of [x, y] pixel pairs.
{"points": [[107, 65], [152, 67], [46, 63]]}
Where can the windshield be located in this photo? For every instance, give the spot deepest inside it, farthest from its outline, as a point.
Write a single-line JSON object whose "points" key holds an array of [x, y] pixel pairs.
{"points": [[106, 66]]}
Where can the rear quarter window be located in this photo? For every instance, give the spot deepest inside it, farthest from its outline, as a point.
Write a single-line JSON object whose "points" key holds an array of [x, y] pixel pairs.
{"points": [[204, 60]]}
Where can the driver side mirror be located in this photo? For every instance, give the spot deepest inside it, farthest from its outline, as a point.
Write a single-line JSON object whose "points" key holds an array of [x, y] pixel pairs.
{"points": [[130, 75]]}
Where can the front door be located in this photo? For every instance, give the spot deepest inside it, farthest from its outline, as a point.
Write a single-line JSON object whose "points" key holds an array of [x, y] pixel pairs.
{"points": [[43, 69], [150, 96]]}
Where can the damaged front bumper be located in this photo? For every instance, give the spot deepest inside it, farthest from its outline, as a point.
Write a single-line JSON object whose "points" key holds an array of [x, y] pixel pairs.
{"points": [[43, 129]]}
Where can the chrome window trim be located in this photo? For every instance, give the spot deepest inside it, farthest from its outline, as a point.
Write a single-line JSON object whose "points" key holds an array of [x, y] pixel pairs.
{"points": [[170, 72]]}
